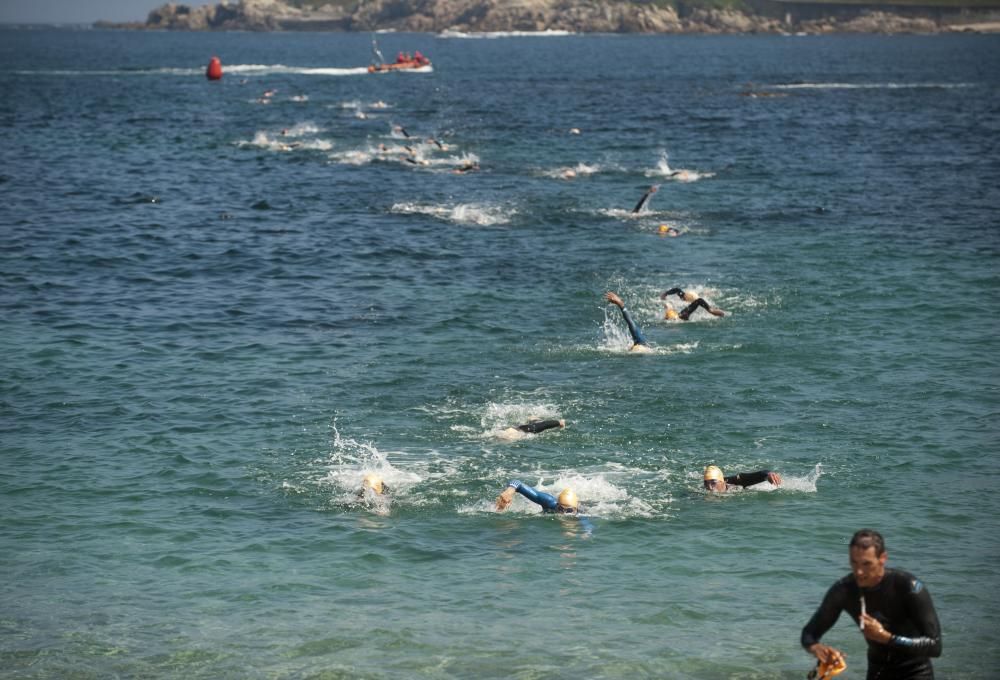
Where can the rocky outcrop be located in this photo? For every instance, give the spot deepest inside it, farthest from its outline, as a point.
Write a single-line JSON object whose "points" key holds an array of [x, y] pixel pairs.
{"points": [[578, 16]]}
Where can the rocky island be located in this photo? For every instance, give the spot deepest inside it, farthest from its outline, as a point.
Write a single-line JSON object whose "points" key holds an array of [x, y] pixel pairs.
{"points": [[579, 16]]}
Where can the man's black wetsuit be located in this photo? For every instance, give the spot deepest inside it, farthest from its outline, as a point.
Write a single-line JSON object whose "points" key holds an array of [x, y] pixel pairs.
{"points": [[536, 426], [903, 606], [746, 479], [689, 310]]}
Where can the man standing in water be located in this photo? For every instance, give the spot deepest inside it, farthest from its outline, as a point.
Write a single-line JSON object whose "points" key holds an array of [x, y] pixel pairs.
{"points": [[891, 607]]}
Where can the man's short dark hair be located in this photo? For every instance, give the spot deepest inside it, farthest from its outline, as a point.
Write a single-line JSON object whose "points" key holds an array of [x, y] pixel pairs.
{"points": [[868, 538]]}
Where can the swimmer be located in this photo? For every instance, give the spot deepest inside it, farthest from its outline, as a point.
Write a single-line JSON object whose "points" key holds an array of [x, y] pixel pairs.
{"points": [[401, 129], [469, 166], [566, 504], [645, 199], [373, 483], [696, 302], [439, 145], [533, 426], [574, 131], [714, 480], [666, 230], [639, 344], [892, 608]]}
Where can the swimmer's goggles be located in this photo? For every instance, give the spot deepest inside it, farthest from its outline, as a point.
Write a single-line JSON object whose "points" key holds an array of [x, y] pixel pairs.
{"points": [[565, 510], [711, 483]]}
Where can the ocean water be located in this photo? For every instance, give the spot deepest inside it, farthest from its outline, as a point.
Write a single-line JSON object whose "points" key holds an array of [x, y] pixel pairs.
{"points": [[222, 307]]}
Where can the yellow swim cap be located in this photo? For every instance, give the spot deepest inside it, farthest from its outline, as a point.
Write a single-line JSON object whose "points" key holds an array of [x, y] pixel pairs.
{"points": [[671, 314], [568, 499], [664, 229], [373, 482], [690, 296], [714, 472]]}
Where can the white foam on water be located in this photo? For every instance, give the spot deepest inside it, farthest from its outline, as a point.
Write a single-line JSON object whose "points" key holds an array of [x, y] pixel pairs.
{"points": [[549, 33], [499, 419], [464, 213], [870, 86], [603, 494], [572, 172], [664, 171], [280, 142], [276, 69], [301, 129], [348, 463]]}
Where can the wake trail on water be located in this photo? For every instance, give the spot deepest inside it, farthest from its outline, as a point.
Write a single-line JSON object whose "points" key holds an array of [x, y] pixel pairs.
{"points": [[871, 86], [604, 493], [240, 69], [348, 463], [464, 213], [663, 170]]}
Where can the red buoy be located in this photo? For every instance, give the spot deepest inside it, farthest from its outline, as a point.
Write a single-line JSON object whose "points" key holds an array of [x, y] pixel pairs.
{"points": [[214, 70]]}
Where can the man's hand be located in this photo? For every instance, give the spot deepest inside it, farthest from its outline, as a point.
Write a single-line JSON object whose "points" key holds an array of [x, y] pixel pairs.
{"points": [[505, 498], [774, 478], [874, 630], [614, 299], [827, 654]]}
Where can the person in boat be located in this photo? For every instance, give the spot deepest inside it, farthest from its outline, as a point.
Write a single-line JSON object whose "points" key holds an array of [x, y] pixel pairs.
{"points": [[639, 343], [891, 607], [694, 303], [714, 481], [420, 58]]}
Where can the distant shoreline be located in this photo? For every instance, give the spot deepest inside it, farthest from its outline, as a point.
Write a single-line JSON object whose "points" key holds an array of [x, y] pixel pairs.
{"points": [[538, 16]]}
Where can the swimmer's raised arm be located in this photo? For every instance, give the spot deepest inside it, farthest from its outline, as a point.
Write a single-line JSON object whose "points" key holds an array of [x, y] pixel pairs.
{"points": [[536, 426], [645, 198], [637, 336], [700, 302], [614, 299], [673, 291]]}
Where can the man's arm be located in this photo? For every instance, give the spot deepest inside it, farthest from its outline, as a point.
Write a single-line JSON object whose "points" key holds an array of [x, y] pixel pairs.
{"points": [[700, 302], [637, 336], [822, 621], [547, 501], [536, 426], [924, 617], [746, 479], [673, 291]]}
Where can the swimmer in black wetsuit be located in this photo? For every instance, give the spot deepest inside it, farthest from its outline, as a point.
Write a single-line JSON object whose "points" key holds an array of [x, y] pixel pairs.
{"points": [[715, 481], [892, 608], [531, 427], [639, 343], [536, 426], [692, 298]]}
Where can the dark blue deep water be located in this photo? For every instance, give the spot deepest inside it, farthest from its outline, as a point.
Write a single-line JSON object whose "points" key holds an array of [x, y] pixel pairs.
{"points": [[222, 307]]}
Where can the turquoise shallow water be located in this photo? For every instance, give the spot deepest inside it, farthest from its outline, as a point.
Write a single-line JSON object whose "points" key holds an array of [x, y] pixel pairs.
{"points": [[221, 309]]}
